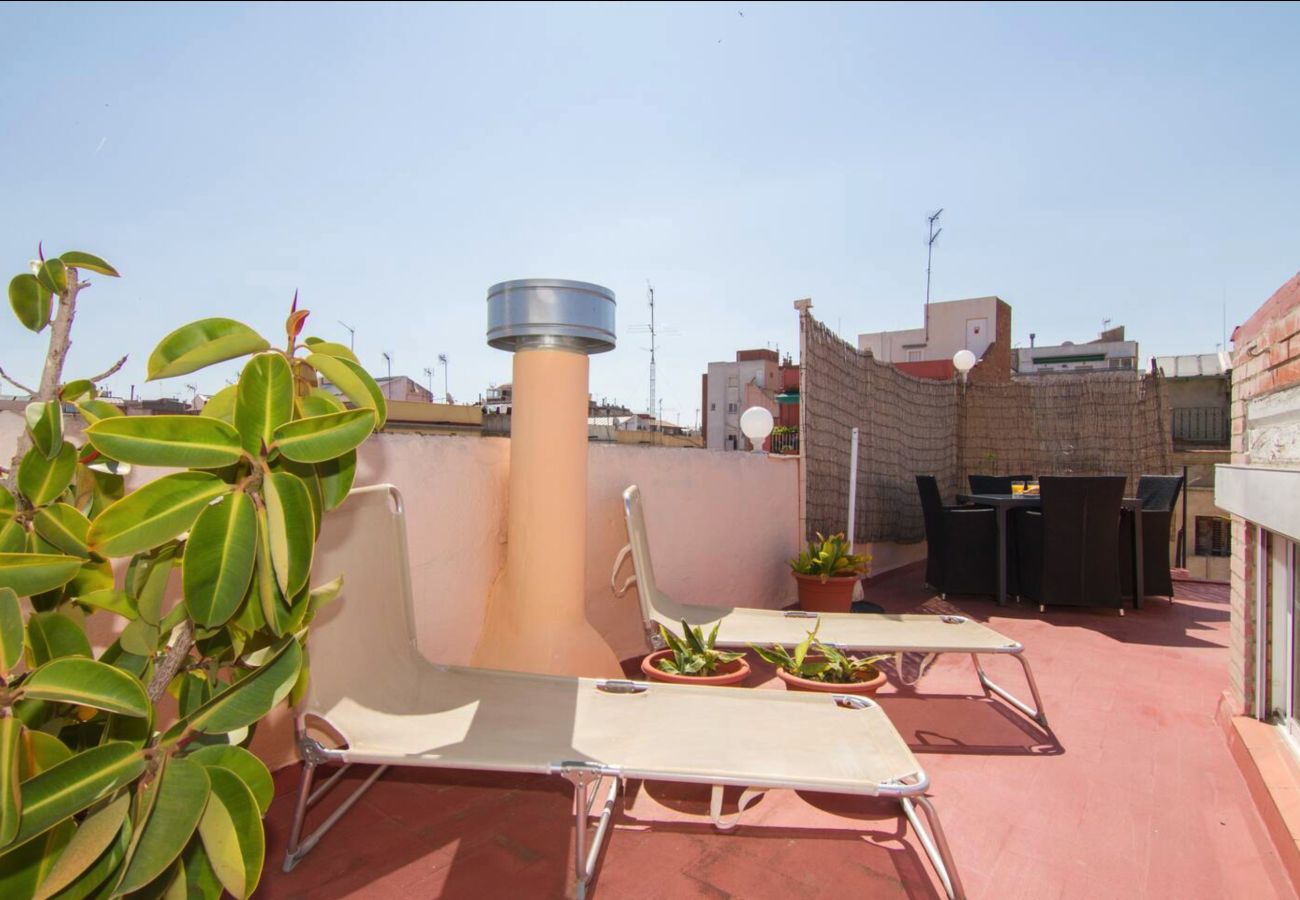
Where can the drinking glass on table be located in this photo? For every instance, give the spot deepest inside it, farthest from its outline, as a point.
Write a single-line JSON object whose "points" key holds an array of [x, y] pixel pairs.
{"points": [[1017, 488], [1032, 488]]}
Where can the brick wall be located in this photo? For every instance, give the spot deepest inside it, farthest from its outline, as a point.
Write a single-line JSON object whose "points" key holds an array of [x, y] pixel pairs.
{"points": [[1265, 359], [995, 365]]}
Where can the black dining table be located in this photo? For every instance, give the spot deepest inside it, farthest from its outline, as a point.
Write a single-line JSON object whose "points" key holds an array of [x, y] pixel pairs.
{"points": [[1002, 503]]}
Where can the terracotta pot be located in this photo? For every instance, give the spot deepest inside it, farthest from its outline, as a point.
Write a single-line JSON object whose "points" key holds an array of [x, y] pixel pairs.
{"points": [[726, 674], [835, 596], [795, 683]]}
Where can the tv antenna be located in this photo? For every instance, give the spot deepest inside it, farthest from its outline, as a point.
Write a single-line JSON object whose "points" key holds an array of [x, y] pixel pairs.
{"points": [[929, 255], [654, 333], [442, 360], [388, 385], [352, 335], [428, 373]]}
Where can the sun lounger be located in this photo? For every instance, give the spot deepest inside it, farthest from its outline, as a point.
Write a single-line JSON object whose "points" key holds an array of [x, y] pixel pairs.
{"points": [[371, 688], [879, 632]]}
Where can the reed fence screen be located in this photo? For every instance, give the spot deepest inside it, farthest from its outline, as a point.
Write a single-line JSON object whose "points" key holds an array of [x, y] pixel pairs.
{"points": [[1098, 423]]}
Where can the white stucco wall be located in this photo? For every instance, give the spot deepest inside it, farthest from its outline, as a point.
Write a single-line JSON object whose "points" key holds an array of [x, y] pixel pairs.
{"points": [[455, 492], [948, 320]]}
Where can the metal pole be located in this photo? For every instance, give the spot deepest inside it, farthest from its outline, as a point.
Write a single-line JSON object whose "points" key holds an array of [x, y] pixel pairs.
{"points": [[929, 255], [852, 530], [1182, 543]]}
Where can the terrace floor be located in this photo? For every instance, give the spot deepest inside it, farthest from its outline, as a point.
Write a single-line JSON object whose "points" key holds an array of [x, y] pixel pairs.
{"points": [[1136, 795]]}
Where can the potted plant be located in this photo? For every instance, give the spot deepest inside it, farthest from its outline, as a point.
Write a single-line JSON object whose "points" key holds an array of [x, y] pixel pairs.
{"points": [[694, 660], [124, 771], [821, 667], [826, 573]]}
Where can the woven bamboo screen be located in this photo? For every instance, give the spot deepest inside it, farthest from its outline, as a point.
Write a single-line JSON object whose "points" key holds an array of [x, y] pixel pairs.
{"points": [[906, 425], [1097, 424], [1084, 424]]}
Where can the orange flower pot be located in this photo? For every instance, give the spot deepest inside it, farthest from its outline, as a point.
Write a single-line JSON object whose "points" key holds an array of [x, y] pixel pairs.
{"points": [[725, 675], [835, 596], [795, 683]]}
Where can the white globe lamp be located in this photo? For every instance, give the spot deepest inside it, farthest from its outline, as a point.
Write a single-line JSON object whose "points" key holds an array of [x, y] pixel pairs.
{"points": [[756, 422], [963, 361]]}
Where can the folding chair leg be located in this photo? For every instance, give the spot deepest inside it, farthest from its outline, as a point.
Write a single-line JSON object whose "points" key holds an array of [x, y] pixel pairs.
{"points": [[934, 843], [1034, 712], [585, 782], [307, 798]]}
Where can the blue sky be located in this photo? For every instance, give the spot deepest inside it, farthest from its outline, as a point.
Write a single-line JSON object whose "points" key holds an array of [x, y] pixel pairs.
{"points": [[391, 162]]}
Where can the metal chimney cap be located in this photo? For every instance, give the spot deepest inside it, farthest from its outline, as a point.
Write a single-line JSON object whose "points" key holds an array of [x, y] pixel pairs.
{"points": [[551, 312]]}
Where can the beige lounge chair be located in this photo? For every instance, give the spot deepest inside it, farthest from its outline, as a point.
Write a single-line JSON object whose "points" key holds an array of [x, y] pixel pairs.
{"points": [[391, 707], [879, 632]]}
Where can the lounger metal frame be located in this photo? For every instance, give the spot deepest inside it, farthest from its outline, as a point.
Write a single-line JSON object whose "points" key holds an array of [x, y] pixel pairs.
{"points": [[591, 780], [654, 641]]}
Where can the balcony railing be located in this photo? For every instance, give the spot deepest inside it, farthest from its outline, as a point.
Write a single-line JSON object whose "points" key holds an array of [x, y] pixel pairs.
{"points": [[1201, 425], [785, 441]]}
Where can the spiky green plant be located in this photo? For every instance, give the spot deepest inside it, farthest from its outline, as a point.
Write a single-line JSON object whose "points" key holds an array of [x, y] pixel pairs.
{"points": [[105, 791], [829, 557], [817, 661], [693, 654]]}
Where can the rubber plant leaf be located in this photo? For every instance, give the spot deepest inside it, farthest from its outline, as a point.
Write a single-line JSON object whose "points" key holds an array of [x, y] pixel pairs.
{"points": [[218, 562], [203, 343], [74, 784], [41, 479], [89, 262], [263, 400], [30, 301], [154, 513], [173, 441], [231, 829], [88, 682], [354, 381], [34, 573], [182, 794], [318, 439]]}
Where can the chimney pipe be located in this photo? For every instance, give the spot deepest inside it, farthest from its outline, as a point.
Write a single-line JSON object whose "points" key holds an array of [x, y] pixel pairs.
{"points": [[536, 615]]}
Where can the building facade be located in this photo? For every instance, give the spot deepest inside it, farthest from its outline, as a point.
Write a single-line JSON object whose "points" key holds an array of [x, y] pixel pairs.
{"points": [[1199, 388], [1110, 352], [1261, 488], [730, 388], [981, 325]]}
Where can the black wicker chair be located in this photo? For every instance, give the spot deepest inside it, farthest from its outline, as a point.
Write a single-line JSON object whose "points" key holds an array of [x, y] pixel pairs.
{"points": [[1069, 552], [962, 544], [994, 484], [1159, 496]]}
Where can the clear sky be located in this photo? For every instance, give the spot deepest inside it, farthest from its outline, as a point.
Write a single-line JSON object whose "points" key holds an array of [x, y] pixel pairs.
{"points": [[391, 162]]}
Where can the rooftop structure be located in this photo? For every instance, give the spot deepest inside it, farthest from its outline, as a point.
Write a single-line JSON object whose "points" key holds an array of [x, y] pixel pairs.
{"points": [[1109, 352], [981, 325]]}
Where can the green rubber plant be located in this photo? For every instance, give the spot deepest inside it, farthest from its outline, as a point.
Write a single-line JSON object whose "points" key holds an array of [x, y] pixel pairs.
{"points": [[124, 770]]}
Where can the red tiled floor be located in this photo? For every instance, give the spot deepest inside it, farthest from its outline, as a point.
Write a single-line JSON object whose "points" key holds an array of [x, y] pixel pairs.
{"points": [[1135, 795]]}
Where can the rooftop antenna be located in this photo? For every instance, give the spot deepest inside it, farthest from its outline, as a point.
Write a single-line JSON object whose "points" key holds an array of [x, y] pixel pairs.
{"points": [[352, 335], [428, 373], [1105, 325], [654, 331], [446, 395], [650, 291], [929, 255], [388, 385]]}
